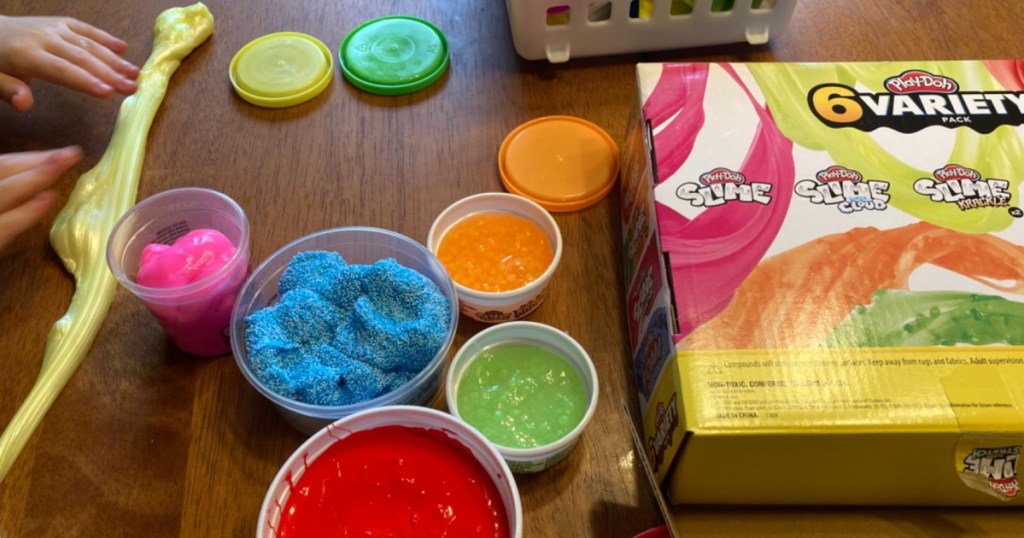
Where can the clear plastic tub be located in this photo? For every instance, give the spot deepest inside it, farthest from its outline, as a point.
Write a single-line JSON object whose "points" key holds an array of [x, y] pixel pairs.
{"points": [[195, 316], [494, 307], [529, 460], [416, 417], [361, 246]]}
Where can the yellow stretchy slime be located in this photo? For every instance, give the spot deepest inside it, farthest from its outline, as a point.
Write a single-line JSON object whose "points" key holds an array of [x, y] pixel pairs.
{"points": [[101, 196]]}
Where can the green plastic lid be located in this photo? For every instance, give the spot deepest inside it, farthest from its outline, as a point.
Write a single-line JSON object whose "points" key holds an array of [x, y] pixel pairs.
{"points": [[281, 69], [394, 55]]}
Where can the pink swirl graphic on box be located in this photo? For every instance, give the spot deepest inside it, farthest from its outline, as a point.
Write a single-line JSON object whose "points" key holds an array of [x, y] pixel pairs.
{"points": [[712, 254], [678, 96]]}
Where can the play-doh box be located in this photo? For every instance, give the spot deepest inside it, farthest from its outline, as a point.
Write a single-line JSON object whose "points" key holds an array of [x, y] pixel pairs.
{"points": [[825, 281]]}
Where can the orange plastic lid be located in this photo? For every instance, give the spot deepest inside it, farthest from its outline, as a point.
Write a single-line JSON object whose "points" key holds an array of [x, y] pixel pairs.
{"points": [[561, 162]]}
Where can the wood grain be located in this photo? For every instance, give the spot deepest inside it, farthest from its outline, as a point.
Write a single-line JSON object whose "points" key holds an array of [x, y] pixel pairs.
{"points": [[147, 441]]}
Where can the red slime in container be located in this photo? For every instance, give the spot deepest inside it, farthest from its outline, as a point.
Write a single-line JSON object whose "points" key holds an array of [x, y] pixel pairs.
{"points": [[394, 481]]}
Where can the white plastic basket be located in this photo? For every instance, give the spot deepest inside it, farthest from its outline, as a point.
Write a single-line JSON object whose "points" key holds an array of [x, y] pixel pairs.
{"points": [[560, 29]]}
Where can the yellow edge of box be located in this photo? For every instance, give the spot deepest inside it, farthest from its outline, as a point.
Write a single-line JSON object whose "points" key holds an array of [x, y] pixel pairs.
{"points": [[893, 426]]}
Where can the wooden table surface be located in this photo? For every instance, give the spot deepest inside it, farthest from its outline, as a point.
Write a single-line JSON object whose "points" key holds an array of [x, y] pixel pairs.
{"points": [[148, 441]]}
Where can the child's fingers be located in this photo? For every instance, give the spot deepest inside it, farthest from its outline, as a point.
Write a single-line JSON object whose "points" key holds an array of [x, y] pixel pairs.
{"points": [[80, 56], [16, 163], [105, 54], [16, 92], [58, 70], [22, 218], [27, 174], [96, 59], [97, 35]]}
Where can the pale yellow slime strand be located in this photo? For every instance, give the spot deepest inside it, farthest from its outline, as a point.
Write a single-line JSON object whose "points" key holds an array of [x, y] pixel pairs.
{"points": [[999, 154], [101, 196]]}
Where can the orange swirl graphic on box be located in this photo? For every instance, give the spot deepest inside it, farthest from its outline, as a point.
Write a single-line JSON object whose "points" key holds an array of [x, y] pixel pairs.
{"points": [[795, 299]]}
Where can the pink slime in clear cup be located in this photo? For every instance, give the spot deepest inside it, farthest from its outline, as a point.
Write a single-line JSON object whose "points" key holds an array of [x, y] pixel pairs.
{"points": [[196, 320]]}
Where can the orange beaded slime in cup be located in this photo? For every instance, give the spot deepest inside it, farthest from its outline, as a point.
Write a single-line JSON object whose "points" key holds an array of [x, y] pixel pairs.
{"points": [[495, 251], [500, 250]]}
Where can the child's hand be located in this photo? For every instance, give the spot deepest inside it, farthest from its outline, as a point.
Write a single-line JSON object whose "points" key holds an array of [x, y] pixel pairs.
{"points": [[63, 51], [25, 179]]}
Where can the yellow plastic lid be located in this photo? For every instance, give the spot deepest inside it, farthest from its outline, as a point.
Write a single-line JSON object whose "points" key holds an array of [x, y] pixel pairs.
{"points": [[281, 69], [561, 162]]}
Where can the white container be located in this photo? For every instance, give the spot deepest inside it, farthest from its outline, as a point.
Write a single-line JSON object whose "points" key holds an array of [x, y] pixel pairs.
{"points": [[357, 245], [416, 417], [495, 307], [576, 28], [529, 460]]}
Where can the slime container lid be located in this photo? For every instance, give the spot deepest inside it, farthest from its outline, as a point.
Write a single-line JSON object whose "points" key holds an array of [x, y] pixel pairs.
{"points": [[281, 69], [561, 162], [394, 55]]}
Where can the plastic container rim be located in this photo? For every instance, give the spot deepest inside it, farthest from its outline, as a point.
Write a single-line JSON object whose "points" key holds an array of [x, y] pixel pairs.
{"points": [[582, 202], [156, 294], [498, 296], [286, 100], [394, 89], [527, 454], [327, 411], [489, 447]]}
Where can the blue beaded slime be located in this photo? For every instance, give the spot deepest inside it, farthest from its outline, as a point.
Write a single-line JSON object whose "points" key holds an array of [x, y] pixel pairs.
{"points": [[332, 278], [341, 333]]}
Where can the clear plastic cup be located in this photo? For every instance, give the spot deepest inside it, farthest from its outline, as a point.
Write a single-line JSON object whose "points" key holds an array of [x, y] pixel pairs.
{"points": [[357, 245], [529, 460], [416, 417], [196, 316], [495, 307]]}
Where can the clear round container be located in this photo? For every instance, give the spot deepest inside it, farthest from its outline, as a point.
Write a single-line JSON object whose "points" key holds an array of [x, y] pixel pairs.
{"points": [[496, 307], [529, 460], [358, 246], [195, 316], [415, 417]]}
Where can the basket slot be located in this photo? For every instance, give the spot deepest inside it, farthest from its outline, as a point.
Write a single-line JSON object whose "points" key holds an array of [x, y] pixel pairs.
{"points": [[558, 15]]}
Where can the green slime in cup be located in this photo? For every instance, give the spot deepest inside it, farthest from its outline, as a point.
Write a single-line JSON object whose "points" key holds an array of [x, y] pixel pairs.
{"points": [[521, 395], [931, 318]]}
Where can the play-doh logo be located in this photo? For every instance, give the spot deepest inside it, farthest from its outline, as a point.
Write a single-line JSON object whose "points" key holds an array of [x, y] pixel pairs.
{"points": [[722, 176], [722, 185], [651, 350], [913, 100], [637, 230], [495, 316], [644, 293], [955, 172], [963, 186], [666, 420], [845, 189], [917, 81], [999, 465]]}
